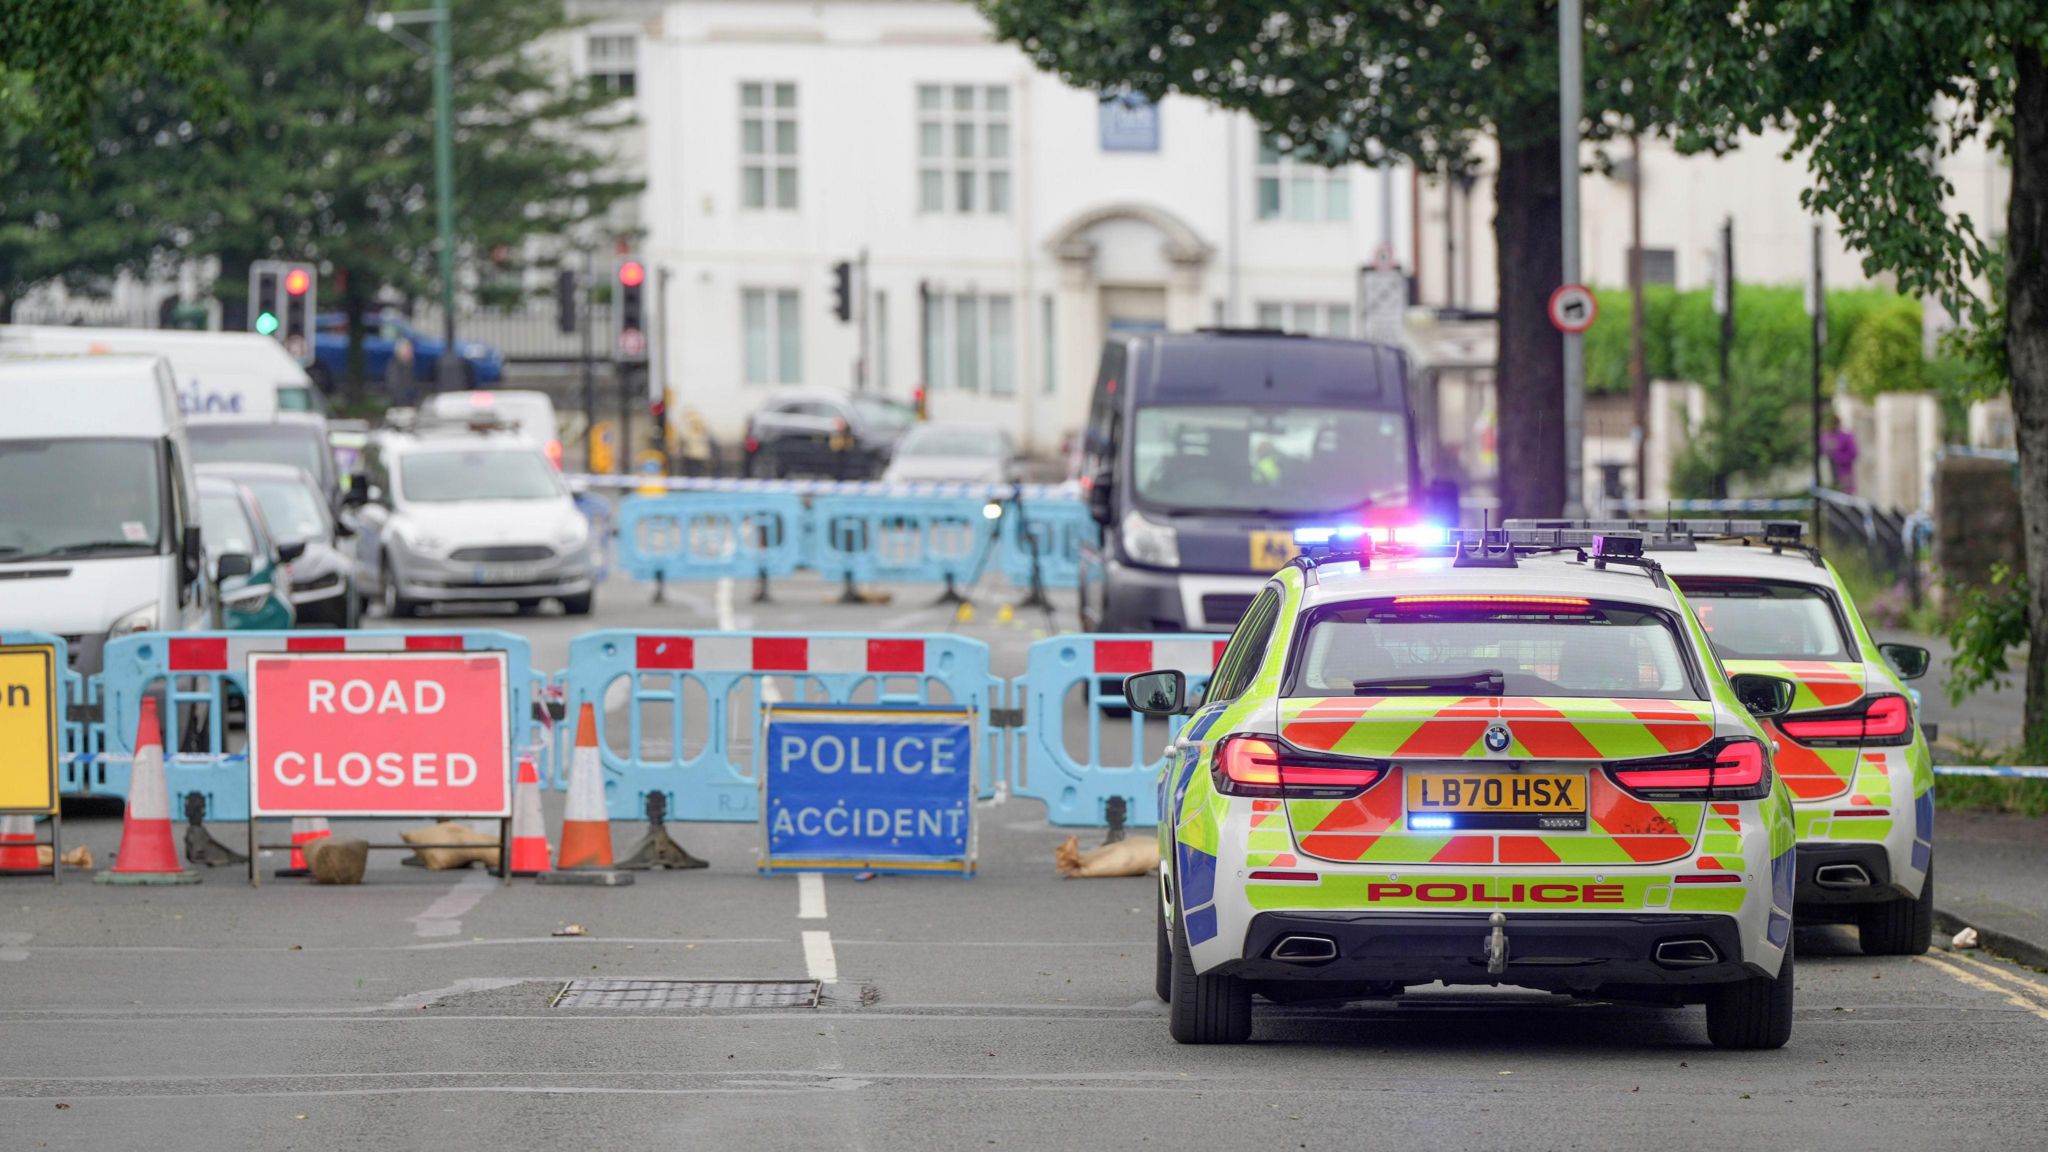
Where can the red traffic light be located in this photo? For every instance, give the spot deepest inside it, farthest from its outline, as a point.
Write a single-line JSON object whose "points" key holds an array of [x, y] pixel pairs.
{"points": [[296, 282], [632, 274]]}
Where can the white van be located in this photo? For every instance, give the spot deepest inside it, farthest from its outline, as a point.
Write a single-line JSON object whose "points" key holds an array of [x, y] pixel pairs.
{"points": [[98, 532], [220, 375]]}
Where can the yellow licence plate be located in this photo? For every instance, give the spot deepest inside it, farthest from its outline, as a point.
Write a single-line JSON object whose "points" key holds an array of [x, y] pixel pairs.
{"points": [[1496, 792], [1272, 550]]}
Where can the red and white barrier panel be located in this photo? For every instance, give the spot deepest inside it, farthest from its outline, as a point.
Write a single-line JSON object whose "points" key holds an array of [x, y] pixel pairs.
{"points": [[806, 654], [1196, 657]]}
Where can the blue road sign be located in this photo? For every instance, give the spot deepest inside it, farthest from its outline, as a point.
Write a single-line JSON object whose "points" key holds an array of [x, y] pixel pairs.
{"points": [[867, 788]]}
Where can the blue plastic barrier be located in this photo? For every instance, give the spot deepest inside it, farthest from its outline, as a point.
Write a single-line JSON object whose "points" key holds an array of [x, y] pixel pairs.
{"points": [[1061, 527], [901, 539], [707, 535], [1076, 783], [196, 673], [597, 509], [74, 736], [705, 690]]}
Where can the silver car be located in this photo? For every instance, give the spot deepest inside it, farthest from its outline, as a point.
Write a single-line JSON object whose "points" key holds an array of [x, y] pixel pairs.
{"points": [[467, 517]]}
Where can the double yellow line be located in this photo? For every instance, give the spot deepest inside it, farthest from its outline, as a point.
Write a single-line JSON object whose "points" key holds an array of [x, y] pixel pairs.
{"points": [[2019, 990]]}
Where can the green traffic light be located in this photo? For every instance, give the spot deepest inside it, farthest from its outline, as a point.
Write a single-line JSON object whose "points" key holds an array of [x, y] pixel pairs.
{"points": [[266, 323]]}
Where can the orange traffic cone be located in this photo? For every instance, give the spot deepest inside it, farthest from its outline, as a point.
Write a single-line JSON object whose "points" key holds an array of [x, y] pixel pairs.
{"points": [[529, 830], [304, 829], [586, 830], [148, 854], [18, 845]]}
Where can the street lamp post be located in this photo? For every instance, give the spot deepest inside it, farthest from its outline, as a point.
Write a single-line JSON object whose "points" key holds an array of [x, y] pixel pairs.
{"points": [[449, 373]]}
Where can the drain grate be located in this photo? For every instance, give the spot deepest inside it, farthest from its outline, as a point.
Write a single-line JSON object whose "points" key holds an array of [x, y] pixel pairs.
{"points": [[696, 994]]}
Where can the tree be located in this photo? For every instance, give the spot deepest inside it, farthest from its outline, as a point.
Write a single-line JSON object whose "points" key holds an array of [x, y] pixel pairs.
{"points": [[1875, 95], [59, 58], [329, 158], [1345, 80]]}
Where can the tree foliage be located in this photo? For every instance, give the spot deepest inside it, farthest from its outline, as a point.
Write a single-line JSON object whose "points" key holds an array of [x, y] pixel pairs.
{"points": [[1346, 81]]}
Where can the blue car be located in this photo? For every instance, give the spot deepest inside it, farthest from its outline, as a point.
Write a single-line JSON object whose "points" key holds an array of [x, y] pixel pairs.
{"points": [[395, 352]]}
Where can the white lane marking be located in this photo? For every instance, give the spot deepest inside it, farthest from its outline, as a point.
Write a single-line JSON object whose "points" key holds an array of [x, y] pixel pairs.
{"points": [[444, 916], [818, 958], [723, 600], [11, 943], [469, 984], [810, 896], [1982, 985]]}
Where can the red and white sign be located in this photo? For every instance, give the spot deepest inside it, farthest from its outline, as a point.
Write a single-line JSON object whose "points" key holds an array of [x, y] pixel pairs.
{"points": [[379, 734], [1573, 309]]}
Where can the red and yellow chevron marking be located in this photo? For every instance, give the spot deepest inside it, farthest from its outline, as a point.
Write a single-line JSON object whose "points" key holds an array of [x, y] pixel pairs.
{"points": [[1452, 728]]}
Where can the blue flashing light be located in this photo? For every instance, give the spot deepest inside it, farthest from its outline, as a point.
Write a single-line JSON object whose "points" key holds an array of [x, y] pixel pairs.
{"points": [[1422, 535], [1430, 823], [1317, 537]]}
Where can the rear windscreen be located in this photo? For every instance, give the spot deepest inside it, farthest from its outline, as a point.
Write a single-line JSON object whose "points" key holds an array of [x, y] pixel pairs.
{"points": [[1479, 645], [1767, 619]]}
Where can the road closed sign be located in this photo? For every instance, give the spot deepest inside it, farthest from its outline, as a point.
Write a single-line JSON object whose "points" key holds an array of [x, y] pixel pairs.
{"points": [[379, 734]]}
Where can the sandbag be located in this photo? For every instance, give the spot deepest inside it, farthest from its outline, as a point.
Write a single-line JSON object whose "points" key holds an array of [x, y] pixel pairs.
{"points": [[450, 833], [1133, 857], [336, 861]]}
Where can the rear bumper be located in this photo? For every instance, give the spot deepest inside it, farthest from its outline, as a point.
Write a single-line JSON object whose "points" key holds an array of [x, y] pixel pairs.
{"points": [[1828, 875], [1565, 953]]}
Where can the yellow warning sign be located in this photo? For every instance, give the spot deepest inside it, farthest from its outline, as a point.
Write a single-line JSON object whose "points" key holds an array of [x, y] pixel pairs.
{"points": [[28, 728]]}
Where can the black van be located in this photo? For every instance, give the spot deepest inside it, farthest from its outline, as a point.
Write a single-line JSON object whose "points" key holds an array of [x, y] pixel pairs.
{"points": [[1204, 451]]}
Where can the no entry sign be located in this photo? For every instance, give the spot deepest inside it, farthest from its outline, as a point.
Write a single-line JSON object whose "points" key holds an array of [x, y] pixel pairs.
{"points": [[379, 734]]}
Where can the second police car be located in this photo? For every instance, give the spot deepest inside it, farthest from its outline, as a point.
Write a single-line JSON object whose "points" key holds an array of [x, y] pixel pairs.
{"points": [[1519, 764], [1851, 751]]}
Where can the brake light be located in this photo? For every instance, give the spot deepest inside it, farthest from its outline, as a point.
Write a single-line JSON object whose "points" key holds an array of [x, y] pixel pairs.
{"points": [[751, 445], [1725, 770], [554, 451], [1257, 766], [1882, 719], [1531, 605]]}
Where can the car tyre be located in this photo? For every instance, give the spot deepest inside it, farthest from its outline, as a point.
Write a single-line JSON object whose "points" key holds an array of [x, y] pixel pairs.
{"points": [[1753, 1013], [579, 604], [1211, 1009], [1162, 955], [396, 607], [1901, 926]]}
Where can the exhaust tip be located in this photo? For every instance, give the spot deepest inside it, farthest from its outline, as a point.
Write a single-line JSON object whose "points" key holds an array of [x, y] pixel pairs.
{"points": [[1688, 953], [1841, 876], [1304, 949]]}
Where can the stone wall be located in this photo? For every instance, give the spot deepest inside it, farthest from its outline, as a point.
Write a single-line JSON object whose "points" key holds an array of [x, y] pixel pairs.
{"points": [[1976, 517]]}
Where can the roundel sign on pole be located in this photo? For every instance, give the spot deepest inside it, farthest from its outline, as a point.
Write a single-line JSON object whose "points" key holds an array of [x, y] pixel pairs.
{"points": [[1572, 308]]}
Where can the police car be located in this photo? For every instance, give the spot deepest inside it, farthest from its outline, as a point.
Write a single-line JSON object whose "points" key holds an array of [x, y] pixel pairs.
{"points": [[1850, 751], [1517, 763]]}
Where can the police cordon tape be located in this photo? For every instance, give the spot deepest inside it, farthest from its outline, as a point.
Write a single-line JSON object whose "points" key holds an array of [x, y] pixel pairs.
{"points": [[676, 713], [706, 528]]}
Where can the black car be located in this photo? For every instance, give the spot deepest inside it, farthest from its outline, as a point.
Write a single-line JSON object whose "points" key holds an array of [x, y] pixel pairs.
{"points": [[840, 436]]}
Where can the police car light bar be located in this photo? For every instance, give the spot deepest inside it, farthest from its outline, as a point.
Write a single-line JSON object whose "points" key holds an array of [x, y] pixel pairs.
{"points": [[1777, 532], [1322, 536]]}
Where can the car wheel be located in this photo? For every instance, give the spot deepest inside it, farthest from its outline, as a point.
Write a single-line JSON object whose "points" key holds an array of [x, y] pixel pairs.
{"points": [[1901, 926], [1753, 1013], [1212, 1009], [396, 607], [578, 605], [1162, 955]]}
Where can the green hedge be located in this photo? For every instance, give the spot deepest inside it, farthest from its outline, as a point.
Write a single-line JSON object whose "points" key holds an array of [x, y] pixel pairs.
{"points": [[1873, 338]]}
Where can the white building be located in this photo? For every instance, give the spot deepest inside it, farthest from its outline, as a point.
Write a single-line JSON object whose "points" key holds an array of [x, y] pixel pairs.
{"points": [[1008, 220]]}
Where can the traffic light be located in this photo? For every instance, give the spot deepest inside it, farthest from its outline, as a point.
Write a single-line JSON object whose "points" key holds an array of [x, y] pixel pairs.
{"points": [[629, 310], [842, 291], [263, 277], [297, 329]]}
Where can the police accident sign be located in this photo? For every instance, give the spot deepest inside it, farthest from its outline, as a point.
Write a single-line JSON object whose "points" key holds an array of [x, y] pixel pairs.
{"points": [[379, 734], [867, 788]]}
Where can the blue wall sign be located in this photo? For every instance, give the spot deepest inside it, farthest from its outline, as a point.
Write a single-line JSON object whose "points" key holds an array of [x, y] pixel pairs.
{"points": [[865, 788], [1130, 123]]}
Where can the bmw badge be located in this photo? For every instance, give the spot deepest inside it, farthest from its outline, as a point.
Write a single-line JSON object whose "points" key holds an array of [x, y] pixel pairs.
{"points": [[1497, 738]]}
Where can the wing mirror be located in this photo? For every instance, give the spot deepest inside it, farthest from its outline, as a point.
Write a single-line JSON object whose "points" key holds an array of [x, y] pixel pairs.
{"points": [[1763, 696], [1908, 660], [358, 492], [232, 564], [1157, 693]]}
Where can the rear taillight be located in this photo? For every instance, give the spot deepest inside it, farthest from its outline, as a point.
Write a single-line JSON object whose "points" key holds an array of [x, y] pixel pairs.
{"points": [[554, 451], [1724, 770], [751, 445], [1257, 766], [1874, 720]]}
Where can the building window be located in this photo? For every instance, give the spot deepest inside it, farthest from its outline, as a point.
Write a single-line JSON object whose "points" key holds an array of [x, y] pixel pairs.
{"points": [[963, 148], [613, 62], [879, 303], [773, 334], [1307, 319], [767, 145], [1660, 266], [1291, 189], [1048, 347], [970, 344]]}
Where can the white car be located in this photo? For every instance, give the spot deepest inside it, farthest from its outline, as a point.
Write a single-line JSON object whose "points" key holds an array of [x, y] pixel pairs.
{"points": [[953, 454], [467, 517]]}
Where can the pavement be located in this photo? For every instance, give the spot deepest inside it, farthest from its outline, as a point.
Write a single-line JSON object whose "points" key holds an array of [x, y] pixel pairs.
{"points": [[1013, 1010]]}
